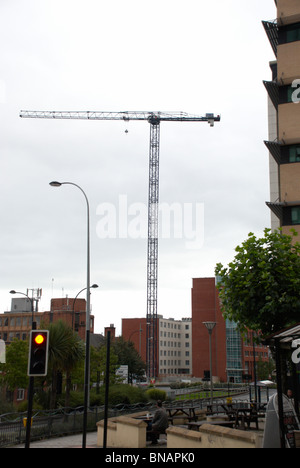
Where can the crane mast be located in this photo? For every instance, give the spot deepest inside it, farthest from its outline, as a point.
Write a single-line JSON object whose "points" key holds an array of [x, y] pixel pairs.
{"points": [[154, 119]]}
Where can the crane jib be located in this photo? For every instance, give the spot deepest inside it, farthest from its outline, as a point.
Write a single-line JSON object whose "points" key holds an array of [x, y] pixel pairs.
{"points": [[151, 117]]}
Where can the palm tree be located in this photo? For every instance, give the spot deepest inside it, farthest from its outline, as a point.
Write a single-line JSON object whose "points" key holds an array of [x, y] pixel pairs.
{"points": [[65, 351]]}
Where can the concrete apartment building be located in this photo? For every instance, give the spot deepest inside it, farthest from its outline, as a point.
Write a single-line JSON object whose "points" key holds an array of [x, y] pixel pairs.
{"points": [[174, 344], [284, 116]]}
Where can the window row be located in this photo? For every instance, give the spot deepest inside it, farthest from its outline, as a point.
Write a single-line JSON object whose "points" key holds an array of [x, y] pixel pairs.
{"points": [[174, 325], [8, 337], [174, 344], [173, 353], [18, 322]]}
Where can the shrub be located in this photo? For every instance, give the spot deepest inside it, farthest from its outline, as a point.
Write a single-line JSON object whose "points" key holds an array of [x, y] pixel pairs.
{"points": [[156, 394]]}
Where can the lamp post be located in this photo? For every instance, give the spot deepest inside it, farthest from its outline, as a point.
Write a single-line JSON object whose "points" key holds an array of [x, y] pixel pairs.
{"points": [[210, 326], [31, 379], [94, 286], [87, 341], [33, 323]]}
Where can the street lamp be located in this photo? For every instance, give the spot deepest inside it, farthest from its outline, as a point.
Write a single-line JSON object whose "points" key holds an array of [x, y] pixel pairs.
{"points": [[31, 379], [210, 326], [94, 286], [33, 323], [87, 341]]}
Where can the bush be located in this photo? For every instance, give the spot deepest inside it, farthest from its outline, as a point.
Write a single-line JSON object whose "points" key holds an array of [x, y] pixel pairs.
{"points": [[125, 394], [118, 394], [156, 394]]}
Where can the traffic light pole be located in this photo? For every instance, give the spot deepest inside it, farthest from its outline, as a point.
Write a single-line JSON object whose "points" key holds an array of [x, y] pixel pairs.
{"points": [[30, 400]]}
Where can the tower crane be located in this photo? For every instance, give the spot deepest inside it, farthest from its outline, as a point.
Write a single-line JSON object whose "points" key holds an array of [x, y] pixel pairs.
{"points": [[154, 119]]}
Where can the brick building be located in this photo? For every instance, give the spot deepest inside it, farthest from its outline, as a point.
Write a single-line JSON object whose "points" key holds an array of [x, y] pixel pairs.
{"points": [[17, 323], [205, 308], [183, 345], [232, 357]]}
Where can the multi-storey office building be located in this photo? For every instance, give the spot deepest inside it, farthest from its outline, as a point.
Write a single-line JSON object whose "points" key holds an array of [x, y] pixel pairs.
{"points": [[284, 116], [174, 344]]}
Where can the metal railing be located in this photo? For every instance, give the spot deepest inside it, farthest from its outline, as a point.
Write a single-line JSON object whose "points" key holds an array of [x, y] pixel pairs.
{"points": [[46, 424], [56, 423], [67, 421]]}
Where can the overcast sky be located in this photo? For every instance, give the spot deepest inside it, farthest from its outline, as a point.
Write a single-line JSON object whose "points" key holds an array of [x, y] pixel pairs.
{"points": [[135, 55]]}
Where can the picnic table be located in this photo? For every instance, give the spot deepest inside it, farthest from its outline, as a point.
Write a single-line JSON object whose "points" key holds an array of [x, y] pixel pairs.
{"points": [[241, 414], [246, 416], [177, 412]]}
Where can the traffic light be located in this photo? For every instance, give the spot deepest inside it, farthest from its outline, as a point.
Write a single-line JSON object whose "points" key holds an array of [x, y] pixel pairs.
{"points": [[38, 353]]}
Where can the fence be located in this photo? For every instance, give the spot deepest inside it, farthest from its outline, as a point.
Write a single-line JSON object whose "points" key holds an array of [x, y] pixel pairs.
{"points": [[66, 421], [45, 424]]}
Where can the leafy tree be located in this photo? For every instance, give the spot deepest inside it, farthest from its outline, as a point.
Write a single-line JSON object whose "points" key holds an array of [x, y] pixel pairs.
{"points": [[260, 288], [128, 355], [98, 364], [13, 373]]}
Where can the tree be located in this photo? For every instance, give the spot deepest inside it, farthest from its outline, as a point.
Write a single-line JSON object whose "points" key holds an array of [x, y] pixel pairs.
{"points": [[66, 351], [14, 372], [260, 289], [128, 355], [98, 364]]}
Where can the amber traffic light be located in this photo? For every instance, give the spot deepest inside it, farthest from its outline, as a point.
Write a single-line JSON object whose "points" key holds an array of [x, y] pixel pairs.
{"points": [[38, 353]]}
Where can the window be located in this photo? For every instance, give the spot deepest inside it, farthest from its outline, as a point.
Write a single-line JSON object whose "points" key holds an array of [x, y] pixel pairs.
{"points": [[293, 32], [294, 153], [290, 33], [287, 94], [295, 212]]}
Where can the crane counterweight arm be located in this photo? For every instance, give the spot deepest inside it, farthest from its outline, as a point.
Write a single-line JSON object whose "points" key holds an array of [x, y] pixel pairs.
{"points": [[151, 117]]}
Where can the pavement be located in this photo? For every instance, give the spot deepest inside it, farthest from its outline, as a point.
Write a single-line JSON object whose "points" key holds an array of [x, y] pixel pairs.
{"points": [[75, 441], [72, 441]]}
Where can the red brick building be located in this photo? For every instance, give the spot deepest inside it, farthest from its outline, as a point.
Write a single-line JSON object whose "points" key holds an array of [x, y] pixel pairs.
{"points": [[135, 330], [70, 311], [18, 322], [232, 358], [206, 308]]}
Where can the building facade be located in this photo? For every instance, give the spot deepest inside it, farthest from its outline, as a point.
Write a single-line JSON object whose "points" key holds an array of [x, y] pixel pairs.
{"points": [[174, 344], [284, 116], [183, 345], [17, 323], [206, 308], [233, 357]]}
